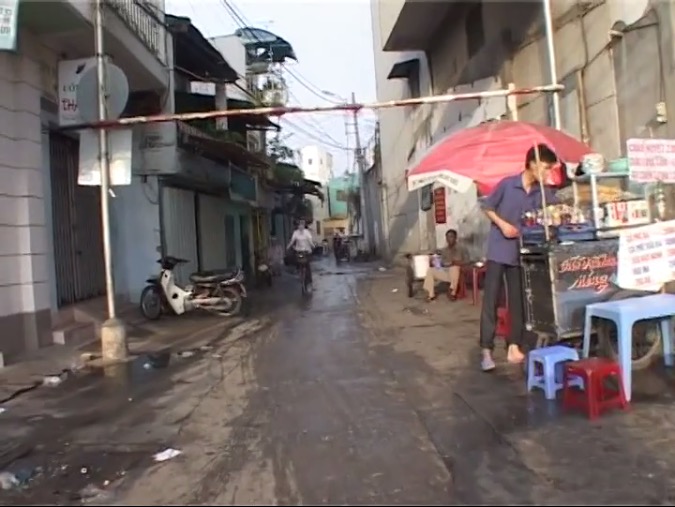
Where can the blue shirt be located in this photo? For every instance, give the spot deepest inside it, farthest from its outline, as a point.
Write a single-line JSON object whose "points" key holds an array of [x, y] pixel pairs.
{"points": [[510, 201]]}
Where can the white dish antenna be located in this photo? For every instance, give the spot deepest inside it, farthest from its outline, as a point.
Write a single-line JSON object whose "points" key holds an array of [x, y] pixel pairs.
{"points": [[117, 87]]}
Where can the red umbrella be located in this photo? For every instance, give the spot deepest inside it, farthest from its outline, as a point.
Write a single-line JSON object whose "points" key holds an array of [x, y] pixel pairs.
{"points": [[490, 152]]}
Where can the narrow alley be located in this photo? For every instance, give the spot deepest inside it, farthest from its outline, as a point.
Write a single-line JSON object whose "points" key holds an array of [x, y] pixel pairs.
{"points": [[357, 395]]}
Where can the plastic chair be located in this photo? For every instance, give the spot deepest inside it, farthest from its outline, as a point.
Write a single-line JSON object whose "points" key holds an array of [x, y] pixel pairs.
{"points": [[597, 396], [461, 288], [625, 313], [551, 361]]}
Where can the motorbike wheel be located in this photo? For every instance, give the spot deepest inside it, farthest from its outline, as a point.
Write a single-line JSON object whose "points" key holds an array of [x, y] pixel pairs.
{"points": [[151, 303], [236, 301]]}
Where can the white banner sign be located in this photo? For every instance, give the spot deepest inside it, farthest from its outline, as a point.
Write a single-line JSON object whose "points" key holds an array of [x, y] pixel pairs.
{"points": [[651, 160], [70, 72], [119, 152], [9, 16], [647, 257]]}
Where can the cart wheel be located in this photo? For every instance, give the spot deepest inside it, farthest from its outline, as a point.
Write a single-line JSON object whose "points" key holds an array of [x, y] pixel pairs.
{"points": [[409, 275], [646, 336]]}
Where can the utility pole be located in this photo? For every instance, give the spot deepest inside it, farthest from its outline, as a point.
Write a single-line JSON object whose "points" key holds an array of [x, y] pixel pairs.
{"points": [[113, 334], [360, 163], [550, 48]]}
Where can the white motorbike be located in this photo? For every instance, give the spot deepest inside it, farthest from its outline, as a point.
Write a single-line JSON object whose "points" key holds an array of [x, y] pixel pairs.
{"points": [[222, 292]]}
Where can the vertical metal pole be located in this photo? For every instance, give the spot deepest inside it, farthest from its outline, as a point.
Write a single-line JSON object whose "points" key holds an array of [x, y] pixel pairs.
{"points": [[550, 47], [360, 163], [104, 159]]}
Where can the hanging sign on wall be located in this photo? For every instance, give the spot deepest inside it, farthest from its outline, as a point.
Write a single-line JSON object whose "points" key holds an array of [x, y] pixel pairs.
{"points": [[439, 206]]}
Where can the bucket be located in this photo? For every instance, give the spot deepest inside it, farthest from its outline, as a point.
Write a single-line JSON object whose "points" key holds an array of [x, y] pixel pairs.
{"points": [[420, 265]]}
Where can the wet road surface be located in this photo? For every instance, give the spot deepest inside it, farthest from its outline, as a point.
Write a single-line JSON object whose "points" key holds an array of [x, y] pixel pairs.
{"points": [[355, 395]]}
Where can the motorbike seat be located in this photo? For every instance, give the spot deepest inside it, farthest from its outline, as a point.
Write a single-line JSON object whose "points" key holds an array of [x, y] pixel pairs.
{"points": [[213, 276]]}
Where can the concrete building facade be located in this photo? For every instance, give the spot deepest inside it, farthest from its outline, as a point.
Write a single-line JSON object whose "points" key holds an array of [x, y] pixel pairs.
{"points": [[36, 159], [614, 58], [317, 165]]}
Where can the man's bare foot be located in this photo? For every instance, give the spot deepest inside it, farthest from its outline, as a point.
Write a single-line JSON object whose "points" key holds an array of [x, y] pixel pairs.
{"points": [[430, 299], [514, 355]]}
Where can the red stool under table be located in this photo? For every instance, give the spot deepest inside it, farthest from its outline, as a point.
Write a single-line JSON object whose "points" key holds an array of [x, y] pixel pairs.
{"points": [[596, 396]]}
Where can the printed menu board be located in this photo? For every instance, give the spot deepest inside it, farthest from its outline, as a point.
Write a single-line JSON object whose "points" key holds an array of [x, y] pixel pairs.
{"points": [[647, 257], [651, 160]]}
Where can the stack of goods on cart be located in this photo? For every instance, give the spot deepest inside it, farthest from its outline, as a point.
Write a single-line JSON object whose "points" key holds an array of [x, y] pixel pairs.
{"points": [[596, 200]]}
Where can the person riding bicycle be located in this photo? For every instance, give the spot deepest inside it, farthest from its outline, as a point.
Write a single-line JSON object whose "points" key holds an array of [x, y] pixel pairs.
{"points": [[302, 241], [338, 242]]}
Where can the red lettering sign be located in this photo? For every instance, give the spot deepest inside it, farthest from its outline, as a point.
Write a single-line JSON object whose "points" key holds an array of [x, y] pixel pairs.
{"points": [[440, 210]]}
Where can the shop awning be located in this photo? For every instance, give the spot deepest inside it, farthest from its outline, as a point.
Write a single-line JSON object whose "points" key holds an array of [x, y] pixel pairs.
{"points": [[194, 54], [405, 69], [219, 149]]}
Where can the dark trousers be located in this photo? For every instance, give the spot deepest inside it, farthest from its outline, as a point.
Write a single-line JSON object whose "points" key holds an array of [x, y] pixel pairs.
{"points": [[495, 275]]}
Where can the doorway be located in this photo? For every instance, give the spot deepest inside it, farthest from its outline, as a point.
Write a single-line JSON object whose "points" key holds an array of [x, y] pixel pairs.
{"points": [[78, 237]]}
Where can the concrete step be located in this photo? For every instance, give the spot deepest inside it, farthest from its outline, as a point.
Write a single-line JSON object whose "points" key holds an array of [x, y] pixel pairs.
{"points": [[74, 333]]}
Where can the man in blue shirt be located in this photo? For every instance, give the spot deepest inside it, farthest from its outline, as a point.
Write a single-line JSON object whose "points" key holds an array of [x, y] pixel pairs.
{"points": [[505, 207]]}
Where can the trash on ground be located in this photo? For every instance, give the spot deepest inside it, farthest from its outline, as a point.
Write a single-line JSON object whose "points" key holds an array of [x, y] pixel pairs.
{"points": [[84, 470], [394, 290], [186, 353], [167, 454], [382, 268], [2, 410], [53, 380], [94, 494], [8, 480], [23, 475], [204, 348]]}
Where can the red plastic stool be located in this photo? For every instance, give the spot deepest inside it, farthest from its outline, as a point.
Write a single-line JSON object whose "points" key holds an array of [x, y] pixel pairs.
{"points": [[596, 396], [461, 288], [503, 322]]}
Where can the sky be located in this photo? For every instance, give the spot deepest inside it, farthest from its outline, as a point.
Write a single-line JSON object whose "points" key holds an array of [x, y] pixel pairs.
{"points": [[333, 42]]}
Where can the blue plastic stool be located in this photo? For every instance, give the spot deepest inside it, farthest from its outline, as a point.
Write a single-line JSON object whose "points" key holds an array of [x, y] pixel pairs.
{"points": [[625, 313], [551, 360]]}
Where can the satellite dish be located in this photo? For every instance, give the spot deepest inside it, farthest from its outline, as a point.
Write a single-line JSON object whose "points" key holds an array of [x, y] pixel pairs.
{"points": [[117, 87]]}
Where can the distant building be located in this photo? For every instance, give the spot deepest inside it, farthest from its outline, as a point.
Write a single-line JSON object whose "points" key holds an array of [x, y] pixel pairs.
{"points": [[317, 164]]}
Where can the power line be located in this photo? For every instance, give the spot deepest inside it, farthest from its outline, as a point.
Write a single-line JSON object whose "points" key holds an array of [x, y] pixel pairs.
{"points": [[318, 139], [310, 87], [312, 123], [240, 18]]}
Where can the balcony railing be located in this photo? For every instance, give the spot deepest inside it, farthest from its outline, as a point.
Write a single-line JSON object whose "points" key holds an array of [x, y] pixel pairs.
{"points": [[143, 18]]}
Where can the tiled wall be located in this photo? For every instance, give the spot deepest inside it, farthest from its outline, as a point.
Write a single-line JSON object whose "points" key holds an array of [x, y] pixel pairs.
{"points": [[24, 254]]}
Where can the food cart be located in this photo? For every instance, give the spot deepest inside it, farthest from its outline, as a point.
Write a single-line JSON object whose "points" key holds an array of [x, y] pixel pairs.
{"points": [[569, 263]]}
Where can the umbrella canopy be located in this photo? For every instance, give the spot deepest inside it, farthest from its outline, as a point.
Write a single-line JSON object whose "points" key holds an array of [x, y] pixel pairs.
{"points": [[490, 152]]}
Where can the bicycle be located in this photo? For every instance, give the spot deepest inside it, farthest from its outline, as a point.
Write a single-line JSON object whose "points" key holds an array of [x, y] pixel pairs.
{"points": [[303, 263]]}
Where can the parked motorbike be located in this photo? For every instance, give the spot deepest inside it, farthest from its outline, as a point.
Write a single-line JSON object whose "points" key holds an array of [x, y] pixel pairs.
{"points": [[222, 292]]}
